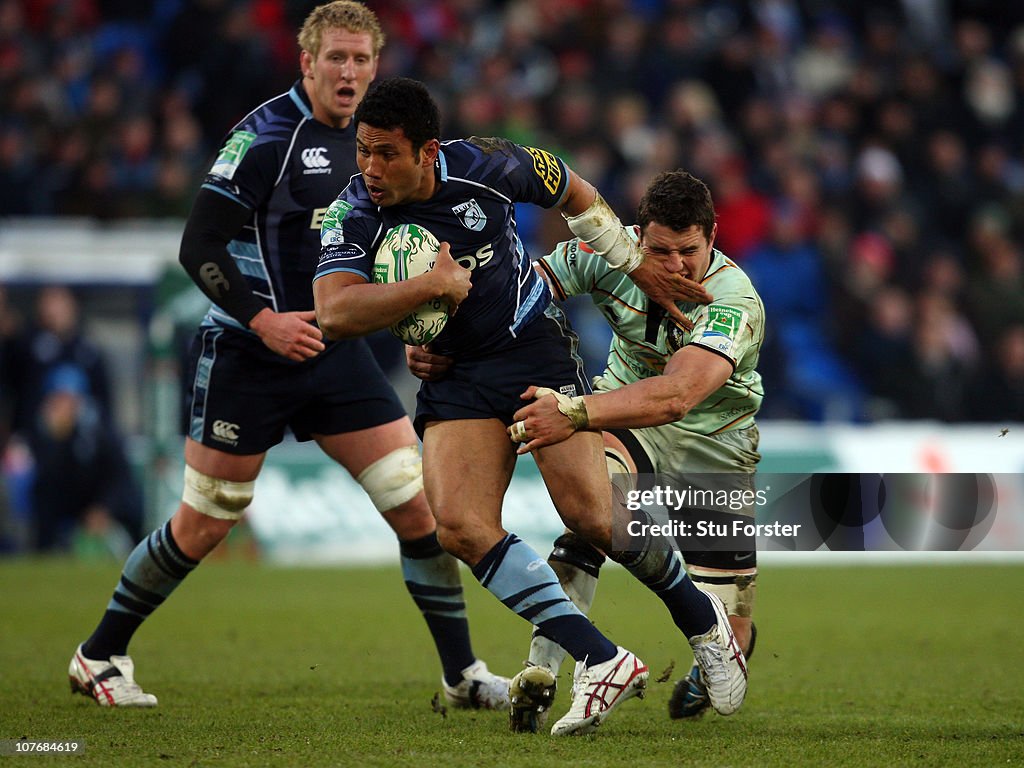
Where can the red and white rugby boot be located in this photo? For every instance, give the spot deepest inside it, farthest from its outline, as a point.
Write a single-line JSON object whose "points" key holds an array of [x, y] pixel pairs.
{"points": [[111, 683], [599, 689]]}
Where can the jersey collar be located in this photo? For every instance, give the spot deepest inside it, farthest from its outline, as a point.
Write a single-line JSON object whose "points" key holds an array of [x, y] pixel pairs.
{"points": [[716, 263], [441, 166], [299, 96]]}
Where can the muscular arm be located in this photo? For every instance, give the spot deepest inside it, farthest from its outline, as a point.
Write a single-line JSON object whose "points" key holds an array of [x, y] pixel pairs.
{"points": [[347, 305], [214, 222], [691, 375], [595, 223], [579, 195]]}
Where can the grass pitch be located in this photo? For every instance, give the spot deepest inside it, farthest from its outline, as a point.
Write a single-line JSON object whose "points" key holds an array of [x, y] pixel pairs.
{"points": [[258, 666]]}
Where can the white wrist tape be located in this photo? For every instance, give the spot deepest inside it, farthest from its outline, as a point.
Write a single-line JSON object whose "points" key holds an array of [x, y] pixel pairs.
{"points": [[600, 228], [573, 407]]}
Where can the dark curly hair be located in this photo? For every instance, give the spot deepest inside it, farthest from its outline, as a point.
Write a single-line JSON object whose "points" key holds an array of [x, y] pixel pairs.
{"points": [[677, 200], [401, 102]]}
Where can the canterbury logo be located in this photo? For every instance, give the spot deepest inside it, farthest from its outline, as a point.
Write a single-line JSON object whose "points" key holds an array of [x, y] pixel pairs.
{"points": [[313, 157], [214, 279], [225, 430]]}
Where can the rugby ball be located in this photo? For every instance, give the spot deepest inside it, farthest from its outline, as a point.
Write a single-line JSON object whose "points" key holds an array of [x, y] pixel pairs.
{"points": [[406, 251]]}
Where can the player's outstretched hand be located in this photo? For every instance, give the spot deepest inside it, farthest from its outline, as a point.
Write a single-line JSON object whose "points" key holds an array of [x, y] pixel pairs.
{"points": [[453, 278], [666, 288], [539, 424], [424, 364], [289, 334]]}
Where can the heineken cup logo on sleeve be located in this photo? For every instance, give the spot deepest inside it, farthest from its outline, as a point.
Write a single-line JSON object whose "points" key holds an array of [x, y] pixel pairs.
{"points": [[232, 153]]}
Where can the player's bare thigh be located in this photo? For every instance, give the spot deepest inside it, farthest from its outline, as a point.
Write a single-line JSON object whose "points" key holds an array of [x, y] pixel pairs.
{"points": [[223, 466], [576, 476], [467, 466], [357, 450]]}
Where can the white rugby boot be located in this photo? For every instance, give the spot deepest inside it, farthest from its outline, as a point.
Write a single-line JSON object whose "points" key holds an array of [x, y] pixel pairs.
{"points": [[723, 667], [110, 683], [479, 689], [599, 689]]}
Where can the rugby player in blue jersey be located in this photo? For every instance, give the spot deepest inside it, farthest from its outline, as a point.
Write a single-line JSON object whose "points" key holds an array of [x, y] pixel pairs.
{"points": [[678, 405], [260, 365], [505, 335]]}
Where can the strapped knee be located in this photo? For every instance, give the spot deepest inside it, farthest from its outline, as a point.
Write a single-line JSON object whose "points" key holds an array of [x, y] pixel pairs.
{"points": [[222, 499], [736, 590], [618, 466], [573, 550], [622, 478], [393, 479]]}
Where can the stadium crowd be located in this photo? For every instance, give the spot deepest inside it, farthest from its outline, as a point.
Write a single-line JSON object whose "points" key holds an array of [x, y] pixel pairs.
{"points": [[866, 159]]}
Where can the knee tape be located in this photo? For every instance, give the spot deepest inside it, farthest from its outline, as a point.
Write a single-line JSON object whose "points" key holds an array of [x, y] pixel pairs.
{"points": [[622, 478], [393, 479], [222, 499], [736, 590]]}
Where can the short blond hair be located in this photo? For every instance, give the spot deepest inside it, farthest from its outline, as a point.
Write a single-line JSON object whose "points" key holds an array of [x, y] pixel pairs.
{"points": [[341, 14]]}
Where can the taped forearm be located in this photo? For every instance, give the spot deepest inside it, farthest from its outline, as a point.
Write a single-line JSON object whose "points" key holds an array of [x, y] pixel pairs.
{"points": [[214, 221], [600, 228]]}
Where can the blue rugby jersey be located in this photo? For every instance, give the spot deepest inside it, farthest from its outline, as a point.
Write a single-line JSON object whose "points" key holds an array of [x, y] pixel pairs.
{"points": [[472, 208], [287, 168]]}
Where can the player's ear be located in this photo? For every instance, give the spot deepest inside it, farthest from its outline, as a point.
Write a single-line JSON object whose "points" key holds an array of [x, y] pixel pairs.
{"points": [[306, 64], [428, 152], [714, 232]]}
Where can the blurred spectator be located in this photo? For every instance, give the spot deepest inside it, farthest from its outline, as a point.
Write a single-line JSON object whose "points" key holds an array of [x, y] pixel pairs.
{"points": [[947, 187], [10, 329], [996, 289], [880, 189], [825, 65], [82, 481], [787, 272], [940, 376], [10, 535], [744, 214], [1000, 394], [883, 349], [858, 282], [730, 73], [56, 339]]}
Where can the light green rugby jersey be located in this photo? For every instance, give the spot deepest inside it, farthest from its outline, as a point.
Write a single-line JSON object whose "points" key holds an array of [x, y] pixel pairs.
{"points": [[732, 326]]}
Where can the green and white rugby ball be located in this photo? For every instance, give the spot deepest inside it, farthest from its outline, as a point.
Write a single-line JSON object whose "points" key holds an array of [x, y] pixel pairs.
{"points": [[406, 251]]}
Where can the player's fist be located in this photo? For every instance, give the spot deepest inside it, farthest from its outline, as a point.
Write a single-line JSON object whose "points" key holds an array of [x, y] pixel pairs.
{"points": [[452, 278], [425, 365], [289, 334]]}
